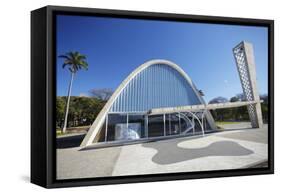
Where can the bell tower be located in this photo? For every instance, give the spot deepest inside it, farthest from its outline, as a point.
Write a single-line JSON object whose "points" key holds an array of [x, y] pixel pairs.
{"points": [[245, 62]]}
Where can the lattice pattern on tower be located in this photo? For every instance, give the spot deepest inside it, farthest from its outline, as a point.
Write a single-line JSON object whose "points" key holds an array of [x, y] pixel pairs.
{"points": [[243, 69]]}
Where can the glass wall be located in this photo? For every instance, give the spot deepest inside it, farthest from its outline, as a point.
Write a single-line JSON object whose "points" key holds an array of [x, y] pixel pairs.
{"points": [[116, 125], [136, 123], [197, 125], [155, 126], [122, 127], [186, 124], [174, 128], [133, 126]]}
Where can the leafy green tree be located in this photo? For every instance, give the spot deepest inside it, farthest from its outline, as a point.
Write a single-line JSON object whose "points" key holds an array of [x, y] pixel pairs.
{"points": [[234, 99], [219, 114], [82, 110], [60, 107], [219, 99], [234, 111], [74, 61], [237, 113]]}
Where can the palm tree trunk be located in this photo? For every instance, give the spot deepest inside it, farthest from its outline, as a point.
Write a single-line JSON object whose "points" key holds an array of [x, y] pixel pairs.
{"points": [[67, 104]]}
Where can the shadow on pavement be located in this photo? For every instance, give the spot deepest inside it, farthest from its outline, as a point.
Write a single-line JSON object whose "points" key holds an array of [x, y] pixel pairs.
{"points": [[69, 141], [169, 153]]}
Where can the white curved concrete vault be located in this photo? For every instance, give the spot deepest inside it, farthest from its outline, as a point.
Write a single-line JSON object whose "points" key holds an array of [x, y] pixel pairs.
{"points": [[94, 130]]}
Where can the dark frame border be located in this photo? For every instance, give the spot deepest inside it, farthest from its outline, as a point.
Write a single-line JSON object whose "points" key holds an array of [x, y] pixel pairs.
{"points": [[50, 45]]}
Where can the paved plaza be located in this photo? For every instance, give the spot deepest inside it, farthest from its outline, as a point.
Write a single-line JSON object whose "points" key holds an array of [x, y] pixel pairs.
{"points": [[229, 149]]}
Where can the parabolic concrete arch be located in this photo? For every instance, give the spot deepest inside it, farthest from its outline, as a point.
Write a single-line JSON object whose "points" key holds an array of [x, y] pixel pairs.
{"points": [[157, 83]]}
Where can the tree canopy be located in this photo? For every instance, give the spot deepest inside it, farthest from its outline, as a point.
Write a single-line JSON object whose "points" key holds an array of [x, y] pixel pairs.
{"points": [[82, 110], [237, 113], [74, 61]]}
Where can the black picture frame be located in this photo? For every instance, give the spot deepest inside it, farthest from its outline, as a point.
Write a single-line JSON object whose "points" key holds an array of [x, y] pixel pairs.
{"points": [[43, 93]]}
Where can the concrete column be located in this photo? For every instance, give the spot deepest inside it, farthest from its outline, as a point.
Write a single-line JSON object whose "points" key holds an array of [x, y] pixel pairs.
{"points": [[164, 119], [245, 62], [146, 126]]}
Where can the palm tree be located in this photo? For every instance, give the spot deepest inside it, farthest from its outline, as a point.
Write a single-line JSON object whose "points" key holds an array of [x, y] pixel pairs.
{"points": [[74, 61]]}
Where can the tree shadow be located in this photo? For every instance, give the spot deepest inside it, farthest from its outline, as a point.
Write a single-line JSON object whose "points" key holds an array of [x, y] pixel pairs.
{"points": [[169, 153], [69, 141]]}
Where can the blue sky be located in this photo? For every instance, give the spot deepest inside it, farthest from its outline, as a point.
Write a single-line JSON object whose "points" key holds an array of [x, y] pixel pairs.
{"points": [[115, 47]]}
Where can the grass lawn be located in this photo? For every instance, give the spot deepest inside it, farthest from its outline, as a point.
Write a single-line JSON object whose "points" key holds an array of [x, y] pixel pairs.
{"points": [[58, 132], [77, 129], [226, 122]]}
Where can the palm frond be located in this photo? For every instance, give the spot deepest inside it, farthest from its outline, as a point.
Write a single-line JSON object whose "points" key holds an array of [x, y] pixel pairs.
{"points": [[64, 64], [75, 61], [84, 65], [64, 57]]}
